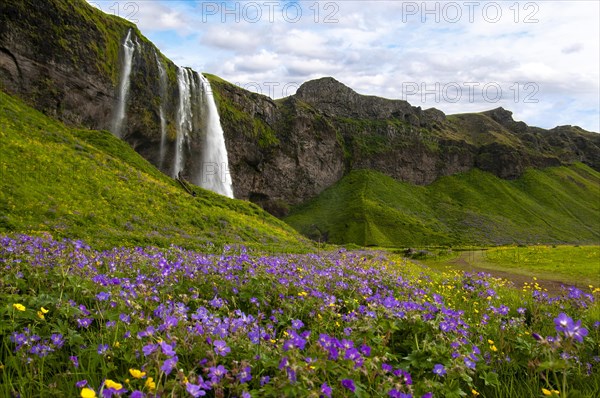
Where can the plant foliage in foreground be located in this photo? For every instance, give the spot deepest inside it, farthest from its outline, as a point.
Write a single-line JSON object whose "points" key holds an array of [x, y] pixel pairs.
{"points": [[155, 322]]}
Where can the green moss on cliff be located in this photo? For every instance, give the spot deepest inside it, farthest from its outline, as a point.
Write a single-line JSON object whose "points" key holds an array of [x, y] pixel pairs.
{"points": [[235, 118]]}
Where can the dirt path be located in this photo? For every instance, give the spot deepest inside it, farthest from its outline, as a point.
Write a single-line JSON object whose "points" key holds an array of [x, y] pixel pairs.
{"points": [[469, 261]]}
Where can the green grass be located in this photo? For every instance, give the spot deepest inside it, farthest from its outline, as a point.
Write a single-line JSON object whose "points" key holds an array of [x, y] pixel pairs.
{"points": [[554, 205], [89, 185], [572, 263]]}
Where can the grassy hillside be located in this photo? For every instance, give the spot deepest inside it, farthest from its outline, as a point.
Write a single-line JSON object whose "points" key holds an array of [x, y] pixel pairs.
{"points": [[368, 208], [89, 185]]}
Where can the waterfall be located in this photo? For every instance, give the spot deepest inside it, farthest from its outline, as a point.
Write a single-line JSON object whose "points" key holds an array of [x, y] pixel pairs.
{"points": [[119, 116], [162, 74], [184, 118], [214, 174]]}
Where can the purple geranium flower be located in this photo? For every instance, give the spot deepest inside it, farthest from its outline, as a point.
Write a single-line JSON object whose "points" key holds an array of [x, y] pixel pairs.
{"points": [[325, 390], [194, 390], [245, 375], [102, 348], [297, 324], [216, 373], [571, 329], [81, 383], [149, 349], [167, 349], [439, 369], [348, 384], [169, 365], [221, 348]]}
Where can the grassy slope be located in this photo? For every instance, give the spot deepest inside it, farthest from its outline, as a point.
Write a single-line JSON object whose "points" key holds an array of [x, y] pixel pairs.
{"points": [[90, 185], [552, 205]]}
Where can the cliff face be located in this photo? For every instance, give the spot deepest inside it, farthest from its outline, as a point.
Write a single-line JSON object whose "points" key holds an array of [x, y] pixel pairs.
{"points": [[287, 151], [65, 58]]}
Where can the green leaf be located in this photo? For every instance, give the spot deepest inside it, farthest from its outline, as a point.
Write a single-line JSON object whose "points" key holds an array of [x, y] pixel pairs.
{"points": [[490, 379]]}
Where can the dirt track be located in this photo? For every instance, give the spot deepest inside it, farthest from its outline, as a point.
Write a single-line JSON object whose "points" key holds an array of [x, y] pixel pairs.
{"points": [[467, 261]]}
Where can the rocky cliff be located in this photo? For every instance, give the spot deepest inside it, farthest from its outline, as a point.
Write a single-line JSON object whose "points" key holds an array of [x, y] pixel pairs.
{"points": [[65, 58], [286, 151]]}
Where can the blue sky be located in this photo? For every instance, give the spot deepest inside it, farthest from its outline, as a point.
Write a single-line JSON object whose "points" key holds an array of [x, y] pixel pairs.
{"points": [[539, 59]]}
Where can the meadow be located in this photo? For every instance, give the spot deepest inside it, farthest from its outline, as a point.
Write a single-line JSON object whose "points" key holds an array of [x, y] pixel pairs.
{"points": [[577, 265], [232, 322]]}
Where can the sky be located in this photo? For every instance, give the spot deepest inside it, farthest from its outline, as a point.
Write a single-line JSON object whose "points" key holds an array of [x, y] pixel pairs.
{"points": [[539, 59]]}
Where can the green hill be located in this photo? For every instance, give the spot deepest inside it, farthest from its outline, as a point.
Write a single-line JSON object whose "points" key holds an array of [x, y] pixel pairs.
{"points": [[559, 204], [89, 185]]}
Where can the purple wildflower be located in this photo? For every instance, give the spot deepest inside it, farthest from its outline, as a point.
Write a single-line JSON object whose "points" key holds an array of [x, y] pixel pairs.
{"points": [[84, 322], [149, 349], [366, 350], [102, 348], [264, 380], [169, 365], [297, 324], [245, 375], [325, 390], [81, 383], [571, 329], [167, 349], [469, 363], [439, 369], [348, 384], [216, 373], [194, 390], [221, 348], [103, 296]]}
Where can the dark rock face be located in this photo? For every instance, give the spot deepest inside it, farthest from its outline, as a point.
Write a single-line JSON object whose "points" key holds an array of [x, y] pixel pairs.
{"points": [[65, 57]]}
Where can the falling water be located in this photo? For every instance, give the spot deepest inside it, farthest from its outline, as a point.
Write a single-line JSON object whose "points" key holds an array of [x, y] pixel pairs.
{"points": [[119, 116], [162, 73], [215, 166], [184, 118]]}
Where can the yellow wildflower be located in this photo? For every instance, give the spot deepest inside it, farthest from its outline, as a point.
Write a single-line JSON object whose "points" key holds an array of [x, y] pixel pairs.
{"points": [[43, 310], [150, 384], [19, 307], [474, 392], [490, 341], [138, 374], [493, 348], [549, 393], [88, 393], [40, 315], [111, 384]]}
